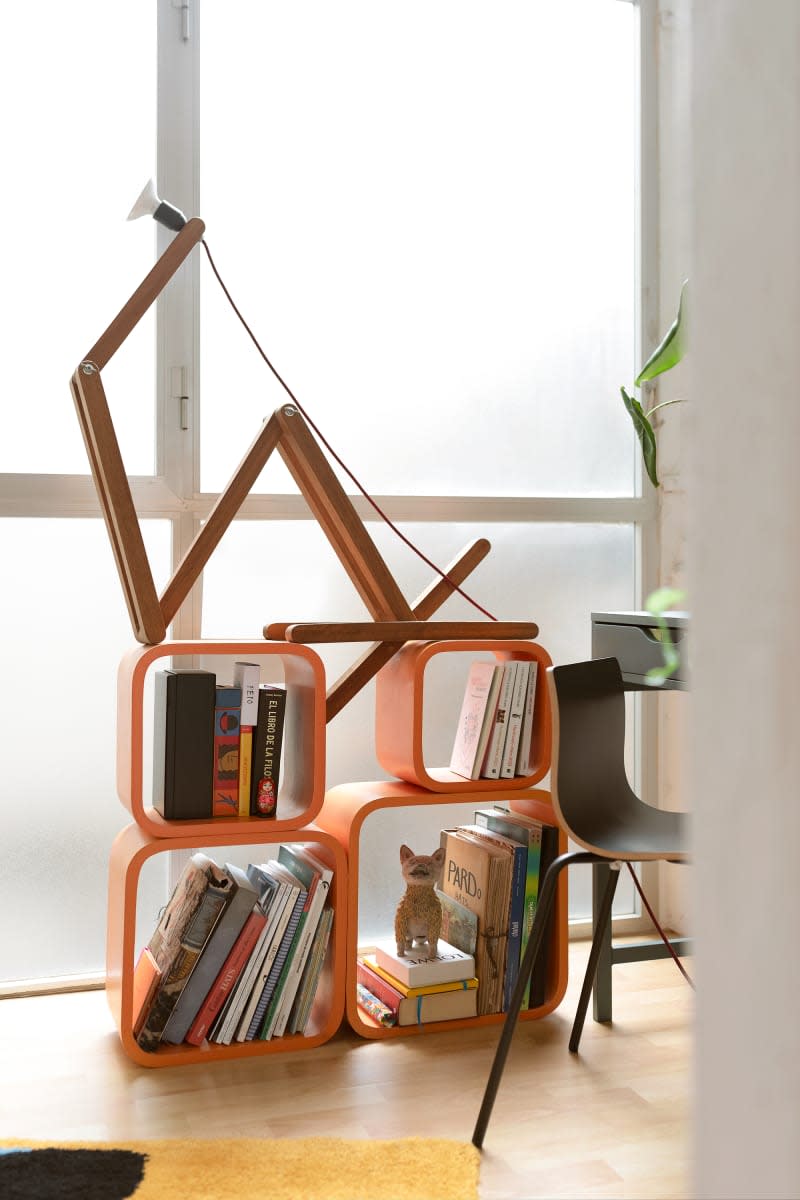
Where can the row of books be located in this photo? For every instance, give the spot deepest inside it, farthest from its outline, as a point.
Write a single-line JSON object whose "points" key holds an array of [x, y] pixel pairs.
{"points": [[489, 892], [494, 734], [217, 746], [237, 954]]}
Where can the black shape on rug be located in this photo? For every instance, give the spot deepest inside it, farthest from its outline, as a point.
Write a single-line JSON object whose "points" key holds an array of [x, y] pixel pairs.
{"points": [[54, 1174]]}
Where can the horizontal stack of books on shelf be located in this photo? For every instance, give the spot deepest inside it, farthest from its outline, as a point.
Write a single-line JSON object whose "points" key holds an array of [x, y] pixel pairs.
{"points": [[216, 746], [489, 891], [237, 954], [493, 737]]}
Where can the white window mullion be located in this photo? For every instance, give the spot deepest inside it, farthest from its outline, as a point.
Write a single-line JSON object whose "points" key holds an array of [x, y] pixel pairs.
{"points": [[177, 357]]}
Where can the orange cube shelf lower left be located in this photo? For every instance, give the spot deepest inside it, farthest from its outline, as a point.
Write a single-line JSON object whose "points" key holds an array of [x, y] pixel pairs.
{"points": [[131, 850]]}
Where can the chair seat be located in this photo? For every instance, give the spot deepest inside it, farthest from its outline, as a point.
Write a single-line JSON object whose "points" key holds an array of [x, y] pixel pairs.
{"points": [[637, 833]]}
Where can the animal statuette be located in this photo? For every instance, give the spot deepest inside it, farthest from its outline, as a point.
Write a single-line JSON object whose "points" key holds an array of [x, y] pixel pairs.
{"points": [[418, 920]]}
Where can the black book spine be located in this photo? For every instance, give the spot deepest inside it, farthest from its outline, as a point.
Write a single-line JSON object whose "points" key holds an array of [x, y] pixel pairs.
{"points": [[267, 743], [183, 744]]}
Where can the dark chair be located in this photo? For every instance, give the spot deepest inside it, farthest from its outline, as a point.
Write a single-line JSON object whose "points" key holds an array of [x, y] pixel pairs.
{"points": [[597, 808]]}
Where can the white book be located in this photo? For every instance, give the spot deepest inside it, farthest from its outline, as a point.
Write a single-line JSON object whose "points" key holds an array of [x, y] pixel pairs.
{"points": [[415, 970], [497, 741], [475, 719], [246, 675], [278, 1025], [240, 1034], [508, 766], [525, 754]]}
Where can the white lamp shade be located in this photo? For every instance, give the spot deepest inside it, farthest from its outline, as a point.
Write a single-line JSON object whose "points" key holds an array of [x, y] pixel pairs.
{"points": [[148, 204]]}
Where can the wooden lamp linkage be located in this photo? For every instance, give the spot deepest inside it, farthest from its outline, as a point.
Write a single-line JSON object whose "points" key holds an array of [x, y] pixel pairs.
{"points": [[394, 621]]}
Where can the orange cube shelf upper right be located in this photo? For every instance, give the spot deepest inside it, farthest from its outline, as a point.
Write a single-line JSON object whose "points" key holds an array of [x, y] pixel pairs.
{"points": [[399, 715]]}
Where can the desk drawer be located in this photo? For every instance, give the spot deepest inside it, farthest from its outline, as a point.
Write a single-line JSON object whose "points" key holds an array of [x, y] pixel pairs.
{"points": [[638, 648]]}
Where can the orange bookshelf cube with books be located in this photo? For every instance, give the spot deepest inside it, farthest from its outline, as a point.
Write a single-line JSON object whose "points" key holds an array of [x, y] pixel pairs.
{"points": [[302, 785], [130, 851], [343, 814], [400, 715]]}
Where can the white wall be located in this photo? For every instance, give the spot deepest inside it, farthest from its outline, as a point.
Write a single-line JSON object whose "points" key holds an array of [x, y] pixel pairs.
{"points": [[745, 583]]}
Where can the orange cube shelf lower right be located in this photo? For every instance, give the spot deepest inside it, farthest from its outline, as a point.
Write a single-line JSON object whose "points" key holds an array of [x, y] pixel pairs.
{"points": [[343, 814]]}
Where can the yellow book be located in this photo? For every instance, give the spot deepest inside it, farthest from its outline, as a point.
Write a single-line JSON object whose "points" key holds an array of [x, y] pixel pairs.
{"points": [[457, 985], [245, 768]]}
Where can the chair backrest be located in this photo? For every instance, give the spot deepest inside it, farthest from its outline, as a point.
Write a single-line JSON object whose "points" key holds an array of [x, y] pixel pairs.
{"points": [[592, 798]]}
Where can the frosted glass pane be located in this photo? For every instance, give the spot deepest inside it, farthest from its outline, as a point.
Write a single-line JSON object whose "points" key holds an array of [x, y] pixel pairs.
{"points": [[65, 630], [77, 85], [426, 213], [285, 571]]}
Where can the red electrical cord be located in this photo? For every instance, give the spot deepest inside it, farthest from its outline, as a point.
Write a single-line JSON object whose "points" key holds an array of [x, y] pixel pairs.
{"points": [[663, 936], [333, 453]]}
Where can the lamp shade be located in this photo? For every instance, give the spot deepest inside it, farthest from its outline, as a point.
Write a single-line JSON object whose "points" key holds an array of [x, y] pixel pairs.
{"points": [[148, 204]]}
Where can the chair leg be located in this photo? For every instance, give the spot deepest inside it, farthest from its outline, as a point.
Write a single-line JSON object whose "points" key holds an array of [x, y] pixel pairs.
{"points": [[546, 900], [603, 919]]}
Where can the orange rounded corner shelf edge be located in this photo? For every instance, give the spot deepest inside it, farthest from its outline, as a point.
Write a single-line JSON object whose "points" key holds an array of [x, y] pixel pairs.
{"points": [[130, 851], [303, 775], [346, 808], [399, 715]]}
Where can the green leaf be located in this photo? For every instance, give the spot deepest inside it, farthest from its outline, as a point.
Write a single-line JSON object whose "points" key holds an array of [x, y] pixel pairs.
{"points": [[657, 603], [669, 352], [644, 432]]}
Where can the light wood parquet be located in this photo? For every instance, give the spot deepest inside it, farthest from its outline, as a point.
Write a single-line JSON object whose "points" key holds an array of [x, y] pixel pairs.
{"points": [[611, 1122]]}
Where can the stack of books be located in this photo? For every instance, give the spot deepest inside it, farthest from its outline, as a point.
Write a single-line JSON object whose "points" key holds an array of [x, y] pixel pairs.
{"points": [[495, 726], [489, 894], [412, 990], [217, 746], [237, 955]]}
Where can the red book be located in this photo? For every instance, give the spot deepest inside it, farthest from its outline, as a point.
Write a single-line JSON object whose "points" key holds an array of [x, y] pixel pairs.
{"points": [[379, 987], [229, 972]]}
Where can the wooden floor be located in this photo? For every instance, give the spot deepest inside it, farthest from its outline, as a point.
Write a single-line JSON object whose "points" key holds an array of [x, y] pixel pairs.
{"points": [[611, 1122]]}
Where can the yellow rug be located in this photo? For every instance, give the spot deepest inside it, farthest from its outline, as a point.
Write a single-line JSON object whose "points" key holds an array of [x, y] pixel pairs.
{"points": [[323, 1168]]}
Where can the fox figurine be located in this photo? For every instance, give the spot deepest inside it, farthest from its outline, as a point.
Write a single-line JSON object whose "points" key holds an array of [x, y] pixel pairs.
{"points": [[418, 920]]}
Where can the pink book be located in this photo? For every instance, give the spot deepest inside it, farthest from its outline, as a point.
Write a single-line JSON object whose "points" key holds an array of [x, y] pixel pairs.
{"points": [[476, 719]]}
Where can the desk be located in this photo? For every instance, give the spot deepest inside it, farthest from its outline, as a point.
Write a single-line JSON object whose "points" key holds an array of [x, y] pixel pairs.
{"points": [[633, 638]]}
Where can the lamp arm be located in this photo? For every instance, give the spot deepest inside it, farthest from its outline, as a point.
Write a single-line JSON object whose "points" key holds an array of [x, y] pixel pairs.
{"points": [[151, 286]]}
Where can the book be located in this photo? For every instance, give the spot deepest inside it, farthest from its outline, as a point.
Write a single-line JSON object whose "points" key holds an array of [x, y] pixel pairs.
{"points": [[227, 713], [516, 907], [453, 985], [311, 975], [459, 923], [508, 765], [239, 1007], [525, 757], [316, 877], [414, 970], [146, 978], [183, 744], [241, 904], [246, 676], [475, 718], [541, 968], [226, 978], [260, 1006], [493, 758], [478, 875], [267, 745], [196, 932], [416, 1006], [542, 846]]}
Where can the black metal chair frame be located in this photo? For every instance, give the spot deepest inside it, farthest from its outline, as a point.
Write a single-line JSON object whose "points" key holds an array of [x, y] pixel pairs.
{"points": [[661, 838]]}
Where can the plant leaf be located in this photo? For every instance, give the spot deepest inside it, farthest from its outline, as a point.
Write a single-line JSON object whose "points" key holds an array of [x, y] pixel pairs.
{"points": [[670, 351], [657, 603], [644, 432]]}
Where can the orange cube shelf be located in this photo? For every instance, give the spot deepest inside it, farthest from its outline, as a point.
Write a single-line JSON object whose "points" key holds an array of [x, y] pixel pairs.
{"points": [[130, 851], [400, 715], [343, 813], [303, 773]]}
